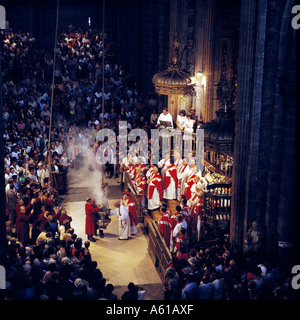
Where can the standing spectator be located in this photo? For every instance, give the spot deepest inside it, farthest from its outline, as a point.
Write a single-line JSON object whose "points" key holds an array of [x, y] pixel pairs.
{"points": [[218, 287], [64, 163], [72, 151], [189, 291], [188, 131], [108, 158], [12, 200], [22, 225], [44, 175], [181, 120], [152, 103], [7, 175], [205, 288], [194, 116], [153, 119], [171, 284]]}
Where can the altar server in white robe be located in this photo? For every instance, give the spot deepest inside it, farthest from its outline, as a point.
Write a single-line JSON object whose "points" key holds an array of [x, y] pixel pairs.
{"points": [[124, 223], [170, 181], [124, 220], [182, 174], [165, 116], [163, 164]]}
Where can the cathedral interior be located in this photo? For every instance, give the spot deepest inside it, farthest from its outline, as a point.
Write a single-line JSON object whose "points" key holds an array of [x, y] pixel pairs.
{"points": [[236, 60]]}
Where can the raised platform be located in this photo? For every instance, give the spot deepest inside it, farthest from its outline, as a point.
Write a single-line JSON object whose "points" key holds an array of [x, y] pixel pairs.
{"points": [[109, 252]]}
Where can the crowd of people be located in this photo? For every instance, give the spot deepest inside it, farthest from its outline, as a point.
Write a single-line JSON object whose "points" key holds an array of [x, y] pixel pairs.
{"points": [[45, 258], [216, 273]]}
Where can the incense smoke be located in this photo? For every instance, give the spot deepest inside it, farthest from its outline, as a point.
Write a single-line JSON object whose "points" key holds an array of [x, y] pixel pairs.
{"points": [[88, 173]]}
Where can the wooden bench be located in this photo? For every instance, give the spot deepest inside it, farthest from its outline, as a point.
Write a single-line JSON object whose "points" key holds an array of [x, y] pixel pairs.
{"points": [[158, 250]]}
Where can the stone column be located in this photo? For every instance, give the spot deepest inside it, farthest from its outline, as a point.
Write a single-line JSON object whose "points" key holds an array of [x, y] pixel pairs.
{"points": [[276, 140], [242, 121], [286, 210], [2, 182], [173, 27], [198, 100], [163, 34], [173, 105], [208, 60], [258, 144], [263, 183], [199, 64], [288, 218]]}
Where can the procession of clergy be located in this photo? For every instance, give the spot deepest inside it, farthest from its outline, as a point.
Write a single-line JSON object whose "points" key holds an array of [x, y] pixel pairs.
{"points": [[172, 179]]}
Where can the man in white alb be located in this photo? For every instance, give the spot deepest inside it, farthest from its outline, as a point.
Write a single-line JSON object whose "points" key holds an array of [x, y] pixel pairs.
{"points": [[124, 221], [165, 116], [163, 164]]}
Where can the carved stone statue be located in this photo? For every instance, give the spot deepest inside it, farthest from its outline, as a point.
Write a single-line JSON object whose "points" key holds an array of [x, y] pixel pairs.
{"points": [[254, 238], [177, 45]]}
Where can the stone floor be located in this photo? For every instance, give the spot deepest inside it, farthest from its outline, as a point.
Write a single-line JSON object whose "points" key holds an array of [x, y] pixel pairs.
{"points": [[120, 261]]}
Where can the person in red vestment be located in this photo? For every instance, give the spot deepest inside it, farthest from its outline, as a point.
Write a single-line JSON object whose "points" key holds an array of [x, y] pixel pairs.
{"points": [[196, 211], [164, 226], [173, 223], [140, 183], [90, 218], [154, 190], [188, 185], [181, 242], [185, 211]]}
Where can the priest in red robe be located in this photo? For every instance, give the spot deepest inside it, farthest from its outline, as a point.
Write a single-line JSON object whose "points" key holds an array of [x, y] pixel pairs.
{"points": [[154, 190], [90, 218], [140, 182], [188, 185], [164, 226]]}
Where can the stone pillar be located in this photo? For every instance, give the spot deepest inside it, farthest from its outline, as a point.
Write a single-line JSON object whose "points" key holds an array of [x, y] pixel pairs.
{"points": [[173, 27], [163, 34], [208, 60], [288, 218], [286, 209], [242, 122], [198, 100], [263, 174], [2, 182], [258, 145], [276, 141], [173, 105], [199, 64]]}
